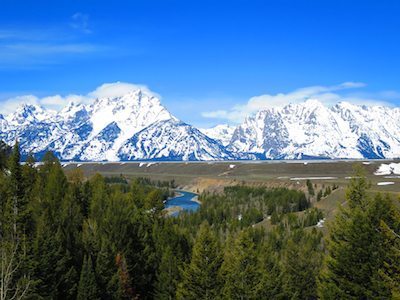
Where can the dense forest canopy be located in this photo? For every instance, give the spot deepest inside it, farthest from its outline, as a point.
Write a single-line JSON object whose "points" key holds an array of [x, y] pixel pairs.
{"points": [[64, 236]]}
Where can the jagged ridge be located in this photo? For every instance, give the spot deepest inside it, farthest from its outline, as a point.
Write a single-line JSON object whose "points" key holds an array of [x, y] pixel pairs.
{"points": [[137, 127]]}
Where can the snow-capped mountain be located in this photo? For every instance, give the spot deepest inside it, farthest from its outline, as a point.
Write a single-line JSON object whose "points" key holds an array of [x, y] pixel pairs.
{"points": [[134, 126], [172, 140], [221, 133], [27, 114], [310, 129]]}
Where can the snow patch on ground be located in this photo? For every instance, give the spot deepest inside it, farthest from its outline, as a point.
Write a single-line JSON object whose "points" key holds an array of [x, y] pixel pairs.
{"points": [[312, 178], [320, 223], [388, 169], [385, 183], [232, 166]]}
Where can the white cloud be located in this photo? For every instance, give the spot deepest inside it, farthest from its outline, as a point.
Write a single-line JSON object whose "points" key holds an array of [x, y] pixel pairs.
{"points": [[11, 104], [57, 102], [326, 94], [118, 89]]}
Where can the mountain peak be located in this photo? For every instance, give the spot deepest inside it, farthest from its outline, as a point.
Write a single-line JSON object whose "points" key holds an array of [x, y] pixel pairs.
{"points": [[29, 113], [221, 133]]}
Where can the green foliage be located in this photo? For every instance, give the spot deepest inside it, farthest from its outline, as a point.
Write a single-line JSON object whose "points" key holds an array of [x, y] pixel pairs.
{"points": [[356, 192], [355, 246], [167, 276], [310, 188], [5, 152], [200, 279], [319, 195], [88, 289], [239, 207], [328, 191], [73, 237], [241, 268], [301, 264], [390, 270]]}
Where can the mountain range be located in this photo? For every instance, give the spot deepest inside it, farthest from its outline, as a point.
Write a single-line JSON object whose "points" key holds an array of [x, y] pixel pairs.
{"points": [[136, 126]]}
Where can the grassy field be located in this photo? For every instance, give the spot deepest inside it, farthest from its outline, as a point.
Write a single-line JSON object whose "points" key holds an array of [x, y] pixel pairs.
{"points": [[203, 175]]}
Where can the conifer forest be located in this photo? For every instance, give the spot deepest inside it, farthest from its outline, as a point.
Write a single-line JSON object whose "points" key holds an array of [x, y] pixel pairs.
{"points": [[67, 236]]}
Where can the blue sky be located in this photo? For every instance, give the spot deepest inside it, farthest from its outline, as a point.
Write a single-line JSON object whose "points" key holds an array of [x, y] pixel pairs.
{"points": [[207, 59]]}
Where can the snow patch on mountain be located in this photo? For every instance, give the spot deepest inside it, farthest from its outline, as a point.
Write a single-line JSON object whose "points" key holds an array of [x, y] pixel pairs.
{"points": [[221, 133]]}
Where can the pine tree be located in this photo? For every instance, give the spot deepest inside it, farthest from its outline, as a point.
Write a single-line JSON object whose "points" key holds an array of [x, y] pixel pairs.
{"points": [[319, 195], [200, 277], [106, 272], [87, 289], [56, 251], [301, 264], [16, 189], [310, 187], [167, 275], [271, 284], [5, 152], [356, 192], [355, 252], [241, 269], [390, 271]]}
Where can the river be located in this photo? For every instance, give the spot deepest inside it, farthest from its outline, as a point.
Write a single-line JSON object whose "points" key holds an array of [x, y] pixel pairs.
{"points": [[184, 200]]}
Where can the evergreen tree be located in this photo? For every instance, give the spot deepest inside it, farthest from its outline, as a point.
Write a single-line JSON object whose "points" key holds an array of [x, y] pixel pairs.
{"points": [[17, 204], [56, 251], [200, 277], [5, 152], [241, 269], [167, 276], [154, 201], [356, 192], [271, 284], [87, 289], [355, 252], [319, 195], [310, 187], [390, 271], [301, 265]]}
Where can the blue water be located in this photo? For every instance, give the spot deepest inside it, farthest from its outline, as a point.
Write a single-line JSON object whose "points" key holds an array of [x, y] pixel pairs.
{"points": [[184, 200]]}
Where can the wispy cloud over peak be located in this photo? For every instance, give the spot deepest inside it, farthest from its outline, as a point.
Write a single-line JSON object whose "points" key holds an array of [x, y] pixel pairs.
{"points": [[57, 102], [328, 95]]}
